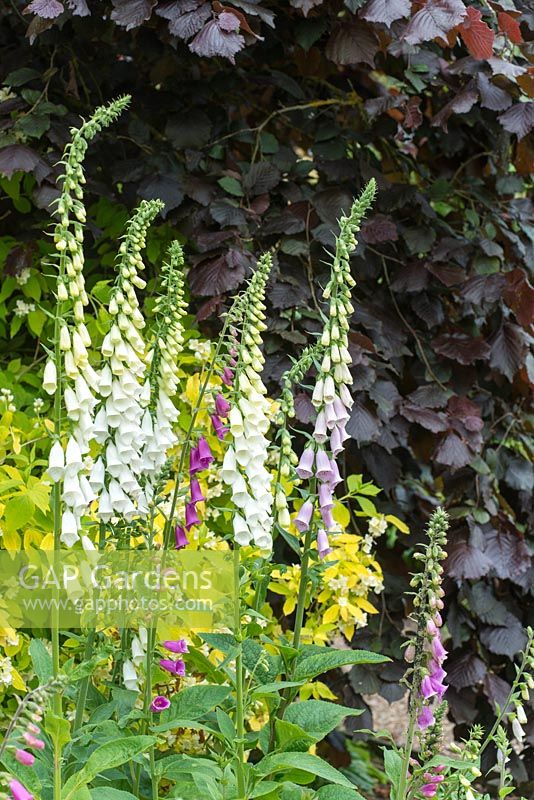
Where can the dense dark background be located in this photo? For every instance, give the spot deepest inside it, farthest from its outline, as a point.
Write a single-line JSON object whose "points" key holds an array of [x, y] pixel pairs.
{"points": [[432, 100]]}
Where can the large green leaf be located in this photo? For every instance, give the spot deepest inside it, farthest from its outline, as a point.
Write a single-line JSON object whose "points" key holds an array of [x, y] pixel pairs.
{"points": [[41, 660], [393, 769], [312, 665], [338, 793], [318, 717], [174, 767], [305, 762], [292, 737], [192, 703], [107, 793]]}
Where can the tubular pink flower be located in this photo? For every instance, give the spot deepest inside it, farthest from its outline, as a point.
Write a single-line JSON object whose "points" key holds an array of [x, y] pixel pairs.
{"points": [[176, 645], [431, 627], [227, 376], [328, 519], [323, 545], [194, 461], [336, 477], [425, 718], [205, 456], [31, 741], [437, 619], [218, 427], [305, 467], [429, 789], [323, 468], [336, 444], [325, 497], [330, 415], [302, 520], [342, 415], [18, 791], [23, 757], [222, 406], [160, 703], [427, 688], [196, 492], [180, 537], [174, 667], [438, 651], [191, 516], [320, 433]]}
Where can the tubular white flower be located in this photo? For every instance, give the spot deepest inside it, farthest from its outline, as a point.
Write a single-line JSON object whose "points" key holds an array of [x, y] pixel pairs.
{"points": [[50, 377], [56, 462]]}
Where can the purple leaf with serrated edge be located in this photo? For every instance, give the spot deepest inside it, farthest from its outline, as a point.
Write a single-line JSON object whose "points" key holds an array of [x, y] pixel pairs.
{"points": [[460, 104], [497, 691], [453, 452], [213, 41], [185, 18], [131, 13], [428, 308], [261, 178], [386, 11], [221, 274], [483, 288], [461, 348], [425, 417], [228, 22], [508, 349], [465, 410], [491, 96], [304, 409], [506, 640], [507, 552], [465, 669], [47, 9], [436, 18], [17, 158], [380, 228], [362, 425], [499, 66], [79, 8], [354, 43], [305, 5], [519, 119], [465, 562], [430, 396]]}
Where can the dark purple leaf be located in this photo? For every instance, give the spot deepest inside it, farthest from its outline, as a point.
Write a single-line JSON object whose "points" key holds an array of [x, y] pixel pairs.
{"points": [[520, 474], [465, 669], [411, 277], [380, 228], [212, 40], [499, 66], [425, 417], [519, 296], [428, 308], [384, 467], [47, 9], [19, 258], [448, 274], [483, 288], [362, 425], [491, 96], [430, 396], [484, 604], [453, 452], [353, 43], [386, 11], [508, 349], [221, 274], [304, 409], [191, 130], [305, 5], [504, 641], [519, 119], [227, 213], [467, 412], [186, 17], [331, 203], [162, 187], [18, 158], [288, 295], [507, 552], [79, 8], [131, 13], [460, 104], [461, 348], [261, 178], [436, 18], [497, 691]]}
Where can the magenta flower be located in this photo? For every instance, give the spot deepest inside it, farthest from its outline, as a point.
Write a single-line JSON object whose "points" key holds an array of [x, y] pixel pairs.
{"points": [[218, 427], [429, 789], [323, 545], [227, 376], [325, 497], [23, 757], [174, 667], [305, 467], [427, 687], [205, 456], [194, 461], [425, 718], [31, 741], [302, 520], [18, 791], [438, 651], [160, 703], [191, 516], [176, 645], [222, 406], [196, 491], [180, 537], [323, 468]]}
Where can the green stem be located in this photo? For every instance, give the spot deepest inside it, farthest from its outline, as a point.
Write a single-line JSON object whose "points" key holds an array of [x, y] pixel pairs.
{"points": [[403, 777], [83, 690], [303, 586], [240, 715]]}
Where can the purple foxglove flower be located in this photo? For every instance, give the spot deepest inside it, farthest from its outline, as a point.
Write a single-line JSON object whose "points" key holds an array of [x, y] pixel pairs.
{"points": [[439, 687], [325, 497], [205, 456], [330, 415], [336, 445], [336, 477], [31, 741], [218, 427], [323, 545], [222, 406], [191, 516], [436, 671], [302, 520], [159, 703], [196, 491], [227, 376], [194, 461], [431, 627], [323, 469], [305, 467], [180, 537], [437, 619], [320, 432], [425, 718], [328, 519], [342, 415], [427, 688], [429, 789], [233, 362], [176, 645], [438, 651], [174, 667], [23, 757], [18, 791]]}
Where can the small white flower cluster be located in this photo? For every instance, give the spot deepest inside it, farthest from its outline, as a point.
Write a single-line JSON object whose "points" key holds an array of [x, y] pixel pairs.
{"points": [[163, 369], [244, 465], [7, 398], [23, 276], [22, 308], [123, 418], [6, 671], [376, 527]]}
